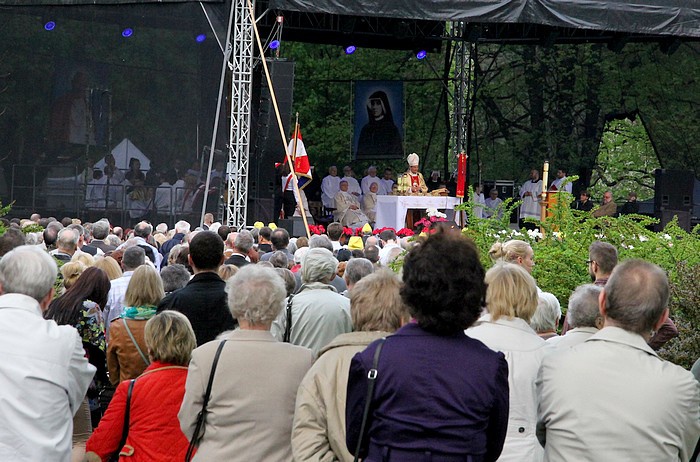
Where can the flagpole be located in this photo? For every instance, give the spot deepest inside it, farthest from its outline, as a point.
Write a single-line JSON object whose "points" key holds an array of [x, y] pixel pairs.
{"points": [[296, 184], [273, 97]]}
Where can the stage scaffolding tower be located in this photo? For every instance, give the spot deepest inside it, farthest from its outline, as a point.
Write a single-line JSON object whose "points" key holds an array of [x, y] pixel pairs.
{"points": [[241, 89]]}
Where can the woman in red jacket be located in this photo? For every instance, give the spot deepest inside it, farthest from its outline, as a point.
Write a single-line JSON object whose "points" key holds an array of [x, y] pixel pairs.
{"points": [[154, 430]]}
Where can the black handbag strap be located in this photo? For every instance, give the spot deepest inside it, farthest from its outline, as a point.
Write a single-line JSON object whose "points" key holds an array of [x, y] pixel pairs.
{"points": [[288, 325], [127, 413], [197, 436], [371, 379]]}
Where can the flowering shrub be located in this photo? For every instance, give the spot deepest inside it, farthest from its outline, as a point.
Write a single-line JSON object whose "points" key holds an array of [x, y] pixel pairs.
{"points": [[433, 216], [561, 251], [317, 229]]}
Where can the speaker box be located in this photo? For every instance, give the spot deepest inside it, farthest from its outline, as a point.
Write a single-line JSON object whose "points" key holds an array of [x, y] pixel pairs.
{"points": [[665, 216], [295, 225], [267, 148], [673, 190]]}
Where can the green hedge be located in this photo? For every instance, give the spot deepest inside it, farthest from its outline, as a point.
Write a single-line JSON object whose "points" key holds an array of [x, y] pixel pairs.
{"points": [[561, 252]]}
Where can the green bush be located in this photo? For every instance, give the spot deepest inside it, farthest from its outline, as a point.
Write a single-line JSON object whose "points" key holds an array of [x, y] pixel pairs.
{"points": [[561, 252]]}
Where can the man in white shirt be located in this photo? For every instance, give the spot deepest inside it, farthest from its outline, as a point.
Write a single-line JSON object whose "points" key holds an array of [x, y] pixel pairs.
{"points": [[44, 374], [557, 183], [133, 257], [389, 246], [530, 193], [369, 179], [493, 205], [387, 182], [353, 185], [330, 185]]}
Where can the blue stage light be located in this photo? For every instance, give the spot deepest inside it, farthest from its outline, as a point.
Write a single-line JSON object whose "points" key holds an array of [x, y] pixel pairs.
{"points": [[201, 37], [421, 54], [275, 44], [127, 32], [350, 49], [50, 25]]}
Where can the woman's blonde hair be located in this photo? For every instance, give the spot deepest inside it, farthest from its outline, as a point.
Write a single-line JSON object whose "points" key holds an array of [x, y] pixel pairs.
{"points": [[71, 271], [376, 304], [509, 251], [170, 338], [145, 287], [83, 257], [226, 272], [510, 292], [110, 266]]}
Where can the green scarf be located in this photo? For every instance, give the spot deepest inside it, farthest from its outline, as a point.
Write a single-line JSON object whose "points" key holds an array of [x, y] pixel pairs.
{"points": [[139, 312]]}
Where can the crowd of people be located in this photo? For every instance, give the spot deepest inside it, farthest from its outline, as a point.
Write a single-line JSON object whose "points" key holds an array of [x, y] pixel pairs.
{"points": [[224, 344], [158, 191]]}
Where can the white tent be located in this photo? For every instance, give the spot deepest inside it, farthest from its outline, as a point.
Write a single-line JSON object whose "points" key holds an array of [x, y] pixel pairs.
{"points": [[123, 152]]}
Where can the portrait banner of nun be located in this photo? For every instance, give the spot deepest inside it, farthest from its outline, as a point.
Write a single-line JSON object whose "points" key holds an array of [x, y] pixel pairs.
{"points": [[379, 116]]}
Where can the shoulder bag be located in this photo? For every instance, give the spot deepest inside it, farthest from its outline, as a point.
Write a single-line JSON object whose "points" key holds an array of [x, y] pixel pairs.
{"points": [[201, 417], [125, 429], [138, 348], [371, 379]]}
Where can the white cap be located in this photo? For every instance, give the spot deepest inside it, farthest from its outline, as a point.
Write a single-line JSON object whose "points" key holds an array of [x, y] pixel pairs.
{"points": [[412, 159]]}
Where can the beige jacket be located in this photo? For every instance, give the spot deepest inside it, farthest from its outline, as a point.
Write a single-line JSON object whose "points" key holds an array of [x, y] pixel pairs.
{"points": [[251, 408], [318, 434]]}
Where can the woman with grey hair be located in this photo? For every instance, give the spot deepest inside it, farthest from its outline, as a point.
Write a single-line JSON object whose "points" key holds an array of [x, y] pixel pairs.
{"points": [[319, 418], [249, 415], [318, 313], [174, 277], [547, 315]]}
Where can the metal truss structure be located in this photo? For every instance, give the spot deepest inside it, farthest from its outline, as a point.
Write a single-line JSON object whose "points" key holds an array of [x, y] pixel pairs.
{"points": [[241, 89]]}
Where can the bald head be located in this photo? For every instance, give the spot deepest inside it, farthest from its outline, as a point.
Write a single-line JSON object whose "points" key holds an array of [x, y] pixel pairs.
{"points": [[636, 297]]}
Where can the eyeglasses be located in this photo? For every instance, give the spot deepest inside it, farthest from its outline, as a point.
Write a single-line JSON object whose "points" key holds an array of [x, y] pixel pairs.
{"points": [[588, 262]]}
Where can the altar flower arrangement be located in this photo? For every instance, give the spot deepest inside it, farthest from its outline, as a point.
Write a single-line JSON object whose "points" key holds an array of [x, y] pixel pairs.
{"points": [[433, 216]]}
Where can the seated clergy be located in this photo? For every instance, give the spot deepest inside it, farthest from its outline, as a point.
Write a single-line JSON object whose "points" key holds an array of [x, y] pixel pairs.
{"points": [[348, 211], [369, 202]]}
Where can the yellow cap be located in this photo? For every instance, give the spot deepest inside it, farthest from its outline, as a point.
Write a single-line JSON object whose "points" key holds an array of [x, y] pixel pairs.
{"points": [[272, 226], [355, 242], [258, 224], [366, 228]]}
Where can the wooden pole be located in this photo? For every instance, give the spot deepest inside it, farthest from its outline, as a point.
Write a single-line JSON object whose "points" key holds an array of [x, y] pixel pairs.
{"points": [[273, 97]]}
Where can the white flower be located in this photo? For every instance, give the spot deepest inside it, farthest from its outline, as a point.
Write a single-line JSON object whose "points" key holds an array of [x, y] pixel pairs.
{"points": [[515, 232], [667, 237], [643, 238], [534, 233]]}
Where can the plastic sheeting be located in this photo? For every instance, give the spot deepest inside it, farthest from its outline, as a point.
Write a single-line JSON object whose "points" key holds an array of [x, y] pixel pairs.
{"points": [[680, 18], [95, 2]]}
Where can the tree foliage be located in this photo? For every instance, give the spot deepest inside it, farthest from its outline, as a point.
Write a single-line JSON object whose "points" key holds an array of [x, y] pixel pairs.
{"points": [[626, 162]]}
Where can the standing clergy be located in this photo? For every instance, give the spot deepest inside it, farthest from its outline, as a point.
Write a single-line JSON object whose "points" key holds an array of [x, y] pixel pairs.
{"points": [[531, 192], [329, 187], [412, 181]]}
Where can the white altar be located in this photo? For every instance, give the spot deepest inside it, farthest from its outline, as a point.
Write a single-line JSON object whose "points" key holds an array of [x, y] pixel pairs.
{"points": [[391, 210]]}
